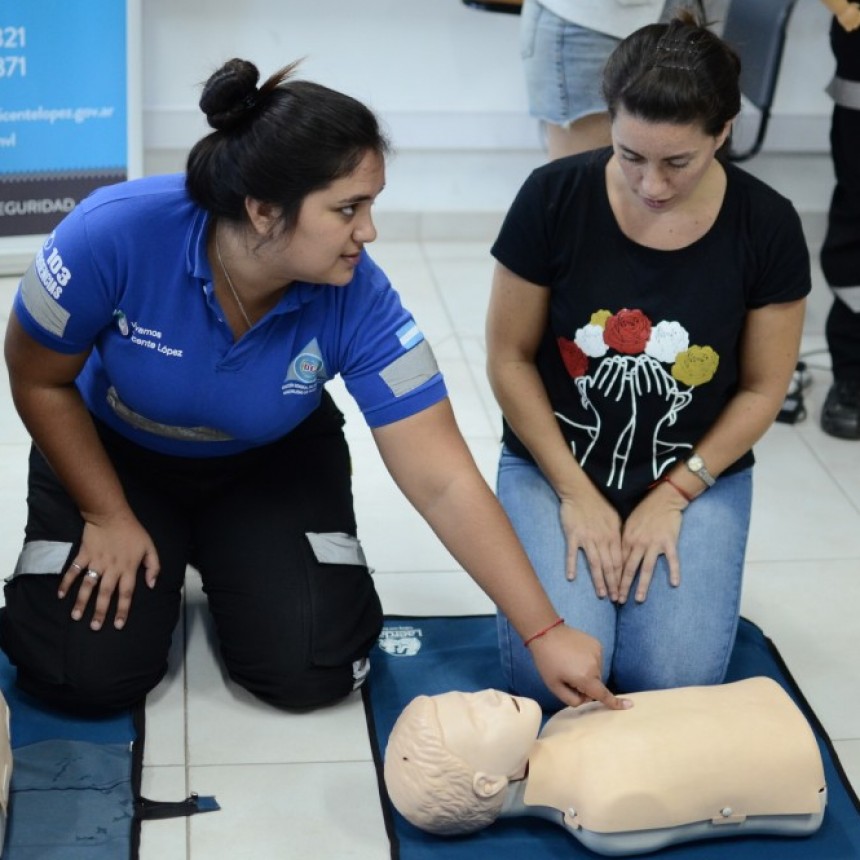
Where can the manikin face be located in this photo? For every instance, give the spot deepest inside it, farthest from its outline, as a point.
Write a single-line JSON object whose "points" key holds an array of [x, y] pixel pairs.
{"points": [[490, 731], [333, 226], [662, 162]]}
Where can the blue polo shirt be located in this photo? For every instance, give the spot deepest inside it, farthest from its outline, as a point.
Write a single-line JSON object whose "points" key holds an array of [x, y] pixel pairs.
{"points": [[127, 274]]}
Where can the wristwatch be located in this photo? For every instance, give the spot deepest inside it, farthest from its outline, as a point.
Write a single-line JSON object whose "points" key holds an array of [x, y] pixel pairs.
{"points": [[697, 466]]}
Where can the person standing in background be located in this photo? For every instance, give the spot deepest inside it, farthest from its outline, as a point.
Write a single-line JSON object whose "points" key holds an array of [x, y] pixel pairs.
{"points": [[840, 254], [564, 46]]}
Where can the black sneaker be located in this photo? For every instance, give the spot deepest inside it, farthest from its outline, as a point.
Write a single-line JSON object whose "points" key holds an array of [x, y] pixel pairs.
{"points": [[841, 414]]}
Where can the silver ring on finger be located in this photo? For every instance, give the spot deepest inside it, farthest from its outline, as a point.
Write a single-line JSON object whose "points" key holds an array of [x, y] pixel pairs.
{"points": [[93, 575], [76, 566]]}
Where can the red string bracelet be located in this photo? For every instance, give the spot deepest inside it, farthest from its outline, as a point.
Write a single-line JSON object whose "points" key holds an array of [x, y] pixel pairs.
{"points": [[543, 632], [666, 479]]}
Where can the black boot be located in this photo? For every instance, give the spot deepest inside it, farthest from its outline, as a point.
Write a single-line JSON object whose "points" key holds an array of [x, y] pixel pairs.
{"points": [[841, 414]]}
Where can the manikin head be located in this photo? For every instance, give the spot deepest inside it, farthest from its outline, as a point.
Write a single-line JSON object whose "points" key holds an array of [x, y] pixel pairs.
{"points": [[450, 757]]}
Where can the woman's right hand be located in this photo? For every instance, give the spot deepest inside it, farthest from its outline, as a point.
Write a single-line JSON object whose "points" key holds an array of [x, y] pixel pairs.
{"points": [[569, 662], [591, 524], [115, 548]]}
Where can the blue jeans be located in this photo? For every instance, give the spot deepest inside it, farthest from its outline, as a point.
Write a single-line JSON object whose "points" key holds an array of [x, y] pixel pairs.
{"points": [[679, 636]]}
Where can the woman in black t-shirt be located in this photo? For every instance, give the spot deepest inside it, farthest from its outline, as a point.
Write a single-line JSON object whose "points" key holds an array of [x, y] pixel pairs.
{"points": [[644, 324]]}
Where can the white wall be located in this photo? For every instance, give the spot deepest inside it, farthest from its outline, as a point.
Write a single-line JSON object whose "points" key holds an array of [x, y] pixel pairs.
{"points": [[440, 74]]}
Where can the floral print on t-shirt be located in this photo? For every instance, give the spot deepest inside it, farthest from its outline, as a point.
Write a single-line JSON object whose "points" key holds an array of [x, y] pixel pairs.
{"points": [[624, 356]]}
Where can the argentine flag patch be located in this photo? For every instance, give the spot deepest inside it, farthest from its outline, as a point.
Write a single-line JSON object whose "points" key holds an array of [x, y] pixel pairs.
{"points": [[409, 335]]}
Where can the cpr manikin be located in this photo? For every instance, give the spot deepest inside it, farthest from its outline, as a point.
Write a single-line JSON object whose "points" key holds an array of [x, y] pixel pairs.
{"points": [[683, 764]]}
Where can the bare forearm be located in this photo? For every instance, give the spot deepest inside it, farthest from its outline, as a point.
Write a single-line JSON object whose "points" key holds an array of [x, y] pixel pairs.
{"points": [[445, 486], [114, 547], [470, 522], [62, 429], [769, 349], [526, 407], [742, 423], [447, 489]]}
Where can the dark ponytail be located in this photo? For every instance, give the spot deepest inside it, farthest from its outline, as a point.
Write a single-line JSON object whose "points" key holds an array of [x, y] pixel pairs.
{"points": [[276, 143]]}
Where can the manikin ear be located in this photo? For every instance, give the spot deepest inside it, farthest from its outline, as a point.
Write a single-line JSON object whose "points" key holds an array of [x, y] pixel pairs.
{"points": [[486, 785], [263, 217]]}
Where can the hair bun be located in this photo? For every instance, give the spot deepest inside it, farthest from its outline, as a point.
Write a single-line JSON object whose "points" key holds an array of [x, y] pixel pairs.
{"points": [[230, 94]]}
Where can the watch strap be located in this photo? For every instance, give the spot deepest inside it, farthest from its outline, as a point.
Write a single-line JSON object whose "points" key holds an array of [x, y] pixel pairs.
{"points": [[697, 466]]}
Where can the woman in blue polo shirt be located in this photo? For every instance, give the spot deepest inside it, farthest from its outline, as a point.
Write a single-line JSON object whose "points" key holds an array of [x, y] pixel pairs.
{"points": [[168, 353]]}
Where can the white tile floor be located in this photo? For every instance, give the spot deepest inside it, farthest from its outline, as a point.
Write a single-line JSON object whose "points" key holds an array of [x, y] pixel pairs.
{"points": [[303, 786]]}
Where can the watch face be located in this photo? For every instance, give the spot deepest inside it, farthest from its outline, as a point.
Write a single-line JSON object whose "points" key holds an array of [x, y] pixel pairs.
{"points": [[695, 463]]}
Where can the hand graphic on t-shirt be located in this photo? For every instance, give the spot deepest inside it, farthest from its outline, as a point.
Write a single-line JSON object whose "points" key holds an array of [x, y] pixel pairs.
{"points": [[623, 358], [632, 380]]}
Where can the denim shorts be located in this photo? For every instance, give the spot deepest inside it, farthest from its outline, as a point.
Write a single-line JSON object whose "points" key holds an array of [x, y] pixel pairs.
{"points": [[563, 65]]}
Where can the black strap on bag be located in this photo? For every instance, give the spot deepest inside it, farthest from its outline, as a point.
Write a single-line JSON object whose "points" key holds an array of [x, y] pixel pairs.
{"points": [[152, 810]]}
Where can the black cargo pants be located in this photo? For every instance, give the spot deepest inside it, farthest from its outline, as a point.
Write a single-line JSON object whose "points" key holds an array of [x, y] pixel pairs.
{"points": [[272, 534]]}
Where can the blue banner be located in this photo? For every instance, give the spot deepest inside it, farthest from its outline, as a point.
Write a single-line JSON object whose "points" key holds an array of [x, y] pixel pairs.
{"points": [[63, 107]]}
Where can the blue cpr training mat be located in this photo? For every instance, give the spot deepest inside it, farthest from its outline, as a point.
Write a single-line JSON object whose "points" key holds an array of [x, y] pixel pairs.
{"points": [[417, 656], [72, 793]]}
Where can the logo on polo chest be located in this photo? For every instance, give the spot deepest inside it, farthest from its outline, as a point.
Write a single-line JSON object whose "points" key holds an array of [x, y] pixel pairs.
{"points": [[307, 371]]}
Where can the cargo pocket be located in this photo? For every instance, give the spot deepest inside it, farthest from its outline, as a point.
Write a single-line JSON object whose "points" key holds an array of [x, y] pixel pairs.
{"points": [[346, 615]]}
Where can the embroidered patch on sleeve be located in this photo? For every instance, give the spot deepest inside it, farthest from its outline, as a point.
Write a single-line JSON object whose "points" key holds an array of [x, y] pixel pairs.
{"points": [[411, 370], [409, 335]]}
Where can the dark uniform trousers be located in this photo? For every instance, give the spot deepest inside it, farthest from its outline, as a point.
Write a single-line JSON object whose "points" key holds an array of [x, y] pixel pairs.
{"points": [[840, 253], [272, 534]]}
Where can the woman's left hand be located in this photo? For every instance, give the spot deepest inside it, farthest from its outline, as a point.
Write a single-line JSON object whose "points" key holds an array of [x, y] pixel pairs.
{"points": [[650, 531]]}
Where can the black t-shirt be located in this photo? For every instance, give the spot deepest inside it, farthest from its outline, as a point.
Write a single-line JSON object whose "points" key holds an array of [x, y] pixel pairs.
{"points": [[641, 352]]}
